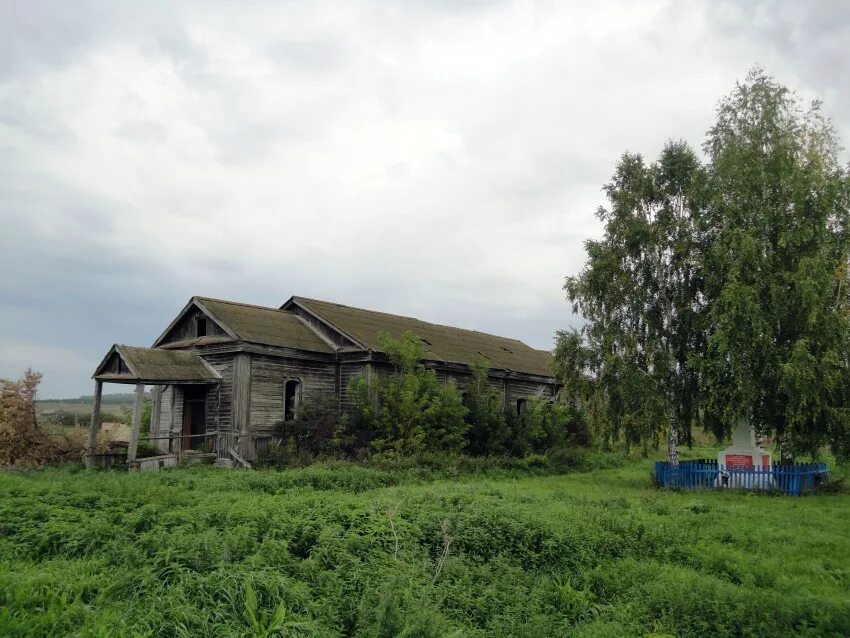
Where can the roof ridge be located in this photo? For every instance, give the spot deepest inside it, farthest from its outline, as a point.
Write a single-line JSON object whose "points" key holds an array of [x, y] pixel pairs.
{"points": [[239, 303], [430, 323]]}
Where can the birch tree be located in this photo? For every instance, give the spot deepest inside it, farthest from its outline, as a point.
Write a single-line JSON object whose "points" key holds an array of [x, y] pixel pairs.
{"points": [[776, 272], [640, 295]]}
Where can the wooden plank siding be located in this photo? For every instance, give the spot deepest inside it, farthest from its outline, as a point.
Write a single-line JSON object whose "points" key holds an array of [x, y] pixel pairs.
{"points": [[220, 396], [527, 389], [176, 423], [186, 327], [268, 375], [348, 372], [255, 350], [166, 416], [241, 407]]}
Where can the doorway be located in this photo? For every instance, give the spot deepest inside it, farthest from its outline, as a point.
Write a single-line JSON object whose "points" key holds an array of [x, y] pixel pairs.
{"points": [[194, 417]]}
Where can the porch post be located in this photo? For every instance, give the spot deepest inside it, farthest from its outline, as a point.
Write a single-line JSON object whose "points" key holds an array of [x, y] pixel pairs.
{"points": [[95, 416], [136, 424]]}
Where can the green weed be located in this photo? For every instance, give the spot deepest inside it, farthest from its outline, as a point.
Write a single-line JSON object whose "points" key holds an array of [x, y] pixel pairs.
{"points": [[441, 547]]}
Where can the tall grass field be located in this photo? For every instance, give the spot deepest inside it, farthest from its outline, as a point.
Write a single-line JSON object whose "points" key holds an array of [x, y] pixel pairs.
{"points": [[351, 550]]}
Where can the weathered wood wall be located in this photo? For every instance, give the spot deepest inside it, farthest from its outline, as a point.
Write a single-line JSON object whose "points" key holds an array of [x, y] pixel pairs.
{"points": [[250, 398], [166, 416], [220, 397], [527, 389], [115, 365], [185, 328], [268, 375], [348, 372], [330, 334], [170, 421]]}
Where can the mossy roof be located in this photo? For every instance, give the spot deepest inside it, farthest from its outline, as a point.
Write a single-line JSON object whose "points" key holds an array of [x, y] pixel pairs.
{"points": [[265, 326], [154, 365], [442, 343]]}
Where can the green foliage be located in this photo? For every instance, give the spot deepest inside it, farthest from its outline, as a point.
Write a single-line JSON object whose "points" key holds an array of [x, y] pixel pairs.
{"points": [[640, 293], [544, 425], [409, 411], [776, 270], [313, 429], [147, 408], [485, 413], [145, 420], [719, 289], [356, 432], [346, 549]]}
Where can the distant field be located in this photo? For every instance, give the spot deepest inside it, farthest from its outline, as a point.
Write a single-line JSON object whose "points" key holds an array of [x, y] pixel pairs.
{"points": [[351, 550], [111, 404], [44, 408]]}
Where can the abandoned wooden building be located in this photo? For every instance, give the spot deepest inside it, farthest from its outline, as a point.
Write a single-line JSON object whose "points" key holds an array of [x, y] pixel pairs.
{"points": [[225, 373]]}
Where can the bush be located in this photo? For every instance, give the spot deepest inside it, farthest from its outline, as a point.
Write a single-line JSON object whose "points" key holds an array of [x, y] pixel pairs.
{"points": [[409, 411], [485, 413], [542, 426], [313, 429], [22, 440]]}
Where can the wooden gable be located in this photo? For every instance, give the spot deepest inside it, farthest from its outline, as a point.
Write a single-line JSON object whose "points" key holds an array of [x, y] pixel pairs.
{"points": [[194, 322], [129, 364]]}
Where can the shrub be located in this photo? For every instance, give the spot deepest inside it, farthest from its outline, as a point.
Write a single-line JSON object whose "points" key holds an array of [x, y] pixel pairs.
{"points": [[409, 411], [313, 429], [543, 425], [22, 440], [485, 413]]}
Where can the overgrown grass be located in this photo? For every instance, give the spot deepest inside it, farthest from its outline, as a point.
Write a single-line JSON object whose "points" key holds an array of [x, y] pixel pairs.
{"points": [[407, 550]]}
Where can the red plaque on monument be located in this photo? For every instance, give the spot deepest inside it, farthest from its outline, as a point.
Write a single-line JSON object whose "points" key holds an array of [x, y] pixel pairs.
{"points": [[739, 462]]}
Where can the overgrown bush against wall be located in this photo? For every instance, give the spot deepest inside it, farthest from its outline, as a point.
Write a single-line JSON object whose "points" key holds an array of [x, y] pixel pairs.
{"points": [[410, 412]]}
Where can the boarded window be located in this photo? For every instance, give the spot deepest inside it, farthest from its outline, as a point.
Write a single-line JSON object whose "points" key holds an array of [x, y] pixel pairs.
{"points": [[291, 398]]}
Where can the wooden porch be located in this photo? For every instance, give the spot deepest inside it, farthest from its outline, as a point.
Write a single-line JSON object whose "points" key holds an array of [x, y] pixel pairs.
{"points": [[155, 367]]}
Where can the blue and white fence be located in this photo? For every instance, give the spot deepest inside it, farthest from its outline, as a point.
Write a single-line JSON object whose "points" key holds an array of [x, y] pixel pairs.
{"points": [[793, 479]]}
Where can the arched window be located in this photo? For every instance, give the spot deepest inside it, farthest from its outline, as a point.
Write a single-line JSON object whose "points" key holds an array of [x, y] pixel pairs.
{"points": [[291, 398]]}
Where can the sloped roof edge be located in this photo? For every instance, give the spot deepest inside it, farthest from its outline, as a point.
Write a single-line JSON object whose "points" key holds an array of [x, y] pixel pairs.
{"points": [[157, 365]]}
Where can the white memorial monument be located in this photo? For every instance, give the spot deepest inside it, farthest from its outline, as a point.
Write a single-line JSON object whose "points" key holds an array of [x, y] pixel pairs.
{"points": [[744, 455]]}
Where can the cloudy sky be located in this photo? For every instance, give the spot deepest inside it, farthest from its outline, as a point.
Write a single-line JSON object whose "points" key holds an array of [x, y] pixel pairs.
{"points": [[439, 159]]}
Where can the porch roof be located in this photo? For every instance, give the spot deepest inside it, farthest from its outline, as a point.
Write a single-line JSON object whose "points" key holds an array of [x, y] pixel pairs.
{"points": [[154, 366]]}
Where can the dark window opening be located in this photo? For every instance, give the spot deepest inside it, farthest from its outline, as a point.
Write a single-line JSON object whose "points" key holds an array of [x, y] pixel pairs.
{"points": [[201, 328], [521, 405], [291, 398]]}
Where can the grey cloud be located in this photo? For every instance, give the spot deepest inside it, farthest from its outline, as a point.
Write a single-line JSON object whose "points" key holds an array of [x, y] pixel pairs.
{"points": [[438, 159]]}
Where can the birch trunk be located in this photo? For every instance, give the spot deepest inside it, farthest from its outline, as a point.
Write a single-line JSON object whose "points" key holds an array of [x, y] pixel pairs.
{"points": [[673, 441]]}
